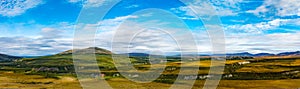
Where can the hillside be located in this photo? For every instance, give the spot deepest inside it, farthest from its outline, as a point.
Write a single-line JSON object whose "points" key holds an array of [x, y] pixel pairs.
{"points": [[235, 65], [64, 60], [4, 57], [95, 50], [59, 66]]}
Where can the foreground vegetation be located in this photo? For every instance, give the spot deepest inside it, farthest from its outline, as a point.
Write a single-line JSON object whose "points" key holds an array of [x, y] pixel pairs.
{"points": [[16, 80], [57, 71]]}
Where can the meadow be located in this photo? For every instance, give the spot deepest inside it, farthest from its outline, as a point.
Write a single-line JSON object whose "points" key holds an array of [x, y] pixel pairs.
{"points": [[57, 72], [22, 81]]}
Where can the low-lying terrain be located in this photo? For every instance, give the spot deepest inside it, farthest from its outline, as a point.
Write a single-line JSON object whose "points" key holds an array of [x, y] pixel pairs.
{"points": [[16, 80], [57, 71]]}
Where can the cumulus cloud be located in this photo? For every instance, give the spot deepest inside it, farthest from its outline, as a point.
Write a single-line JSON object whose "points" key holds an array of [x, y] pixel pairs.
{"points": [[258, 28], [280, 8], [50, 33], [50, 39], [26, 46], [53, 40], [104, 31], [127, 34], [214, 7], [269, 43], [12, 8]]}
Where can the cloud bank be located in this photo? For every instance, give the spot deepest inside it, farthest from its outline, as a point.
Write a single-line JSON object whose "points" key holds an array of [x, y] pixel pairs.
{"points": [[12, 8]]}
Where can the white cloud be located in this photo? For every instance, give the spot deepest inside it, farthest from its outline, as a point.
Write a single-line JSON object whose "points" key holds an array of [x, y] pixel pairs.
{"points": [[105, 30], [74, 1], [280, 8], [45, 40], [28, 46], [227, 3], [151, 39], [12, 8], [214, 7], [269, 43], [258, 28], [90, 3], [51, 33], [132, 6], [143, 42]]}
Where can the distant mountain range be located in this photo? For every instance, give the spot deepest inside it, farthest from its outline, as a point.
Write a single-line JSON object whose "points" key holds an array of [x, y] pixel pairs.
{"points": [[137, 54], [4, 57], [297, 53], [245, 54], [251, 55], [96, 50]]}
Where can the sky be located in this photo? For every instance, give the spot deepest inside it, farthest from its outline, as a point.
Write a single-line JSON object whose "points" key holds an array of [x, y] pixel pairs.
{"points": [[46, 27]]}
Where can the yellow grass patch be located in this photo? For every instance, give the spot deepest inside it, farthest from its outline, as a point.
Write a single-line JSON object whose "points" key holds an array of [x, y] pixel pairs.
{"points": [[208, 63], [262, 69]]}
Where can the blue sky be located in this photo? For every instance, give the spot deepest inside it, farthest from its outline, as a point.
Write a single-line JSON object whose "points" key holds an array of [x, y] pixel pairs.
{"points": [[44, 27]]}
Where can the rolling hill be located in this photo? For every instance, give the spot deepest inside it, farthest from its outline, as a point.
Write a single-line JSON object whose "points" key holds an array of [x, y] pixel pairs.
{"points": [[95, 50], [4, 57]]}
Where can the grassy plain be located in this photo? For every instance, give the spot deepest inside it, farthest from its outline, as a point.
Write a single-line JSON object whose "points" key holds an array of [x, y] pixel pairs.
{"points": [[22, 81], [261, 73]]}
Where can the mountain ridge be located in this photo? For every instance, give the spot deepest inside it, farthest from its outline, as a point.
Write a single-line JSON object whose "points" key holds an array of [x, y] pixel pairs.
{"points": [[5, 57], [98, 50], [104, 51]]}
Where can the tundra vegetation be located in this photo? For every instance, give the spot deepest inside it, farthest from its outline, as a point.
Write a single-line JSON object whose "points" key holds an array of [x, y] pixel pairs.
{"points": [[57, 71]]}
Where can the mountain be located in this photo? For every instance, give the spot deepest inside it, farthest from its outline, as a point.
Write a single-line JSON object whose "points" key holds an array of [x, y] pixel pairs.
{"points": [[4, 57], [243, 54], [95, 50], [31, 56], [297, 53], [240, 54], [144, 55], [107, 52], [138, 54], [247, 54], [263, 54]]}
